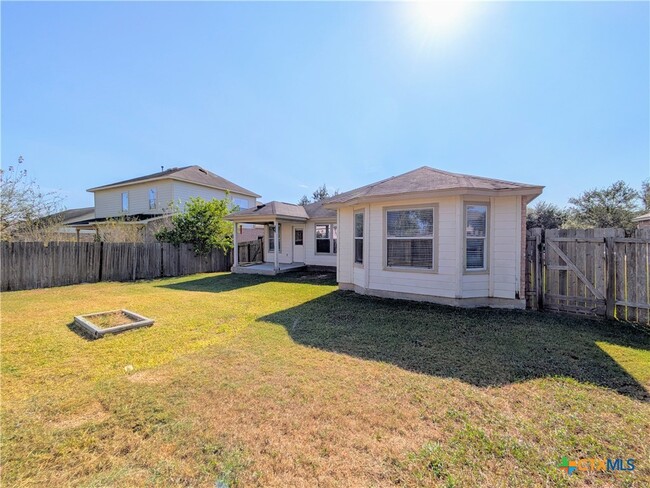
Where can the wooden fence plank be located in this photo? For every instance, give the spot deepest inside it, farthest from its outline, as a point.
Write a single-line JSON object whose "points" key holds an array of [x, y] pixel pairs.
{"points": [[27, 265]]}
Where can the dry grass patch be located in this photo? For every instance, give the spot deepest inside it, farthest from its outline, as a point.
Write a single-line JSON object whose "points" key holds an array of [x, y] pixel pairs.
{"points": [[255, 381]]}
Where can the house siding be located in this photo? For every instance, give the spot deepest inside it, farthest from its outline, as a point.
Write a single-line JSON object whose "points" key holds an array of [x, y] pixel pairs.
{"points": [[311, 257], [449, 280], [108, 203], [183, 191]]}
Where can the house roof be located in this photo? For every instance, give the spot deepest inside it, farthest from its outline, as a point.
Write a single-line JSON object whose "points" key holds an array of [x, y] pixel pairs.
{"points": [[72, 214], [191, 174], [285, 210], [135, 218], [642, 218], [426, 179], [271, 211]]}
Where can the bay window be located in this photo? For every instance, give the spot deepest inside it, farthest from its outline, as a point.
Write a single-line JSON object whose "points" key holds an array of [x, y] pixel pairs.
{"points": [[409, 238], [358, 237], [475, 237]]}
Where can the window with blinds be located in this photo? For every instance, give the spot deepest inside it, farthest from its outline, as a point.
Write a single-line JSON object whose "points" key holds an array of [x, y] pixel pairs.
{"points": [[475, 237], [358, 237], [409, 238]]}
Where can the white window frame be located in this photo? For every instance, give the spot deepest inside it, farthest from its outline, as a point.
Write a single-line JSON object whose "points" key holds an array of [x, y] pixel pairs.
{"points": [[330, 232], [434, 239], [486, 238], [358, 238], [153, 203], [125, 198], [272, 241]]}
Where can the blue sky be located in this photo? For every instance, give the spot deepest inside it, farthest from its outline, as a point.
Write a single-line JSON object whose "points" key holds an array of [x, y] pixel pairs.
{"points": [[282, 97]]}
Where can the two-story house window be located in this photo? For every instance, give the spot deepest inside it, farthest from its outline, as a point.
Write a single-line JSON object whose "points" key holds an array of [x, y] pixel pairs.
{"points": [[152, 198], [125, 201]]}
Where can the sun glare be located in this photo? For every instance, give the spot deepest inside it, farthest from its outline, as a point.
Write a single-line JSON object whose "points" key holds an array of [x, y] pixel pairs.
{"points": [[430, 20]]}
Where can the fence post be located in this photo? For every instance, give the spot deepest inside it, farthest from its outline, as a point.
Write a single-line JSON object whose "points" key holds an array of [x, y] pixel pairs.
{"points": [[101, 261], [538, 271], [610, 298]]}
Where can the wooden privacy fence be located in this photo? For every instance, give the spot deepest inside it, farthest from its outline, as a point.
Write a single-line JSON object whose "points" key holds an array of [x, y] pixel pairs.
{"points": [[596, 272], [26, 265], [250, 252]]}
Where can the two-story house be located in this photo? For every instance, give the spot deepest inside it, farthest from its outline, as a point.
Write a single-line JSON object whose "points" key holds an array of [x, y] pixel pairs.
{"points": [[146, 199]]}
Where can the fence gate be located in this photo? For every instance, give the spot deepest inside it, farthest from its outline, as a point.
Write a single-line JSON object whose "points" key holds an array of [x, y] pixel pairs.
{"points": [[575, 272], [589, 271]]}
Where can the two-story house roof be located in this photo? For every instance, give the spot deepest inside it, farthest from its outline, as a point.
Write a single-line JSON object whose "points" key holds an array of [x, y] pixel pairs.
{"points": [[150, 196]]}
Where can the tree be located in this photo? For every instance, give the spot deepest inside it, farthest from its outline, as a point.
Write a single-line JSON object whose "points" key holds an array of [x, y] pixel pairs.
{"points": [[22, 203], [202, 224], [645, 195], [614, 206], [546, 215], [321, 193]]}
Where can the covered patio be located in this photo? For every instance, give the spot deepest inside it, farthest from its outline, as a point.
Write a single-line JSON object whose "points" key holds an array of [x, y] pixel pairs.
{"points": [[267, 268], [273, 216]]}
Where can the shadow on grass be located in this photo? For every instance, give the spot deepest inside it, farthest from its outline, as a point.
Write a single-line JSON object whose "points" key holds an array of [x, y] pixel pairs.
{"points": [[229, 282], [83, 333], [482, 347]]}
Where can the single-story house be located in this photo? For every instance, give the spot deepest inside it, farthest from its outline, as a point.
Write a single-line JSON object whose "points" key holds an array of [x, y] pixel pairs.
{"points": [[426, 235]]}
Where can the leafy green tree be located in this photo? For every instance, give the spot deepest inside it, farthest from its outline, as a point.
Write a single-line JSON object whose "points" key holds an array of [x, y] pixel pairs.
{"points": [[614, 206], [202, 224], [546, 215]]}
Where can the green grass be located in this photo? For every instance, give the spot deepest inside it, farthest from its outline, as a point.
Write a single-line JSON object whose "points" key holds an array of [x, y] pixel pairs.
{"points": [[253, 381]]}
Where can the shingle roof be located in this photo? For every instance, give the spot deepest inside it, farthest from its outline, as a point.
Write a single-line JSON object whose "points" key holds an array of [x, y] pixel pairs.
{"points": [[72, 214], [426, 179], [316, 210], [192, 174], [287, 210], [274, 209]]}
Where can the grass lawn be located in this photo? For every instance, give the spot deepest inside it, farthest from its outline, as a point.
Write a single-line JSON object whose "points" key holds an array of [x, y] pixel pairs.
{"points": [[258, 381]]}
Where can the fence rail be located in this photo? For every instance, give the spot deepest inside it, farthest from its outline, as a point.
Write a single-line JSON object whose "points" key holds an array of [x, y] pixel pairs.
{"points": [[27, 265], [596, 272]]}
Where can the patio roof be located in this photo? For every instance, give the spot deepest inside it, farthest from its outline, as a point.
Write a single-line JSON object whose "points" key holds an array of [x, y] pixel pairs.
{"points": [[284, 211]]}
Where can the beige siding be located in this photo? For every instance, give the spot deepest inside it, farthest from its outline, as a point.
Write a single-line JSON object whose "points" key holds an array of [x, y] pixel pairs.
{"points": [[505, 240], [311, 257], [285, 246], [440, 283], [183, 191], [108, 203], [449, 279]]}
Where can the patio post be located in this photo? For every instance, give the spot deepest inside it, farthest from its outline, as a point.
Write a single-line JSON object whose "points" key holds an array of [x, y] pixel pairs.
{"points": [[276, 263], [235, 250]]}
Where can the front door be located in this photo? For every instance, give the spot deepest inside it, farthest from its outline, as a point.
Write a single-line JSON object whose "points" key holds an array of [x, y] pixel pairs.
{"points": [[299, 244]]}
